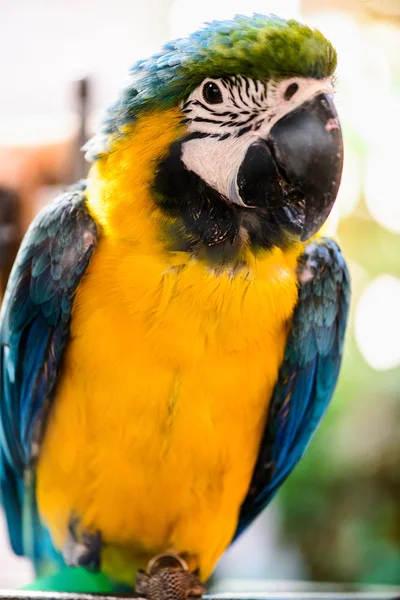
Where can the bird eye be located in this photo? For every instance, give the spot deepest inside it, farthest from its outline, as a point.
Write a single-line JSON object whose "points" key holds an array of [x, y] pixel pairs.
{"points": [[290, 91], [211, 93]]}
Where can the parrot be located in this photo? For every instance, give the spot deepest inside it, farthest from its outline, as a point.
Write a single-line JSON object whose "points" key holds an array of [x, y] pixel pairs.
{"points": [[173, 326]]}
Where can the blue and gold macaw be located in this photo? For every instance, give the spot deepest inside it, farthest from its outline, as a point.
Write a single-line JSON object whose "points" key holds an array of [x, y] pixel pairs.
{"points": [[172, 329]]}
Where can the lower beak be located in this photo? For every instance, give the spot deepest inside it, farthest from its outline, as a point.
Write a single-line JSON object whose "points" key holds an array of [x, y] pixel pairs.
{"points": [[296, 171]]}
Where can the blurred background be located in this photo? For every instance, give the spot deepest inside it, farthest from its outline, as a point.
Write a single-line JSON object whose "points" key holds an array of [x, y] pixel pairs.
{"points": [[337, 519]]}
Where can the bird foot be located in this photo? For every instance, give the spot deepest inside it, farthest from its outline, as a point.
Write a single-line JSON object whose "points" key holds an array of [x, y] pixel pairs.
{"points": [[82, 548], [168, 578]]}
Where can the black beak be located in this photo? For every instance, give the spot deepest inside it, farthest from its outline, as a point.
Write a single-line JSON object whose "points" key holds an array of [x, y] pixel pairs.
{"points": [[296, 171]]}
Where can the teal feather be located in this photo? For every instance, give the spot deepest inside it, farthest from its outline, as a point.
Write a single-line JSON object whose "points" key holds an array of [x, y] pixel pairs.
{"points": [[33, 333], [308, 375]]}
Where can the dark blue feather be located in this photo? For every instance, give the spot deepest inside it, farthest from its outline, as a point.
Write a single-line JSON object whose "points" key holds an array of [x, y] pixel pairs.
{"points": [[34, 330], [308, 375]]}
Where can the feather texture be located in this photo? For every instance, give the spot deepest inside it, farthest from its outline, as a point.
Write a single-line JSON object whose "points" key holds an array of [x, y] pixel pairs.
{"points": [[33, 333], [308, 374]]}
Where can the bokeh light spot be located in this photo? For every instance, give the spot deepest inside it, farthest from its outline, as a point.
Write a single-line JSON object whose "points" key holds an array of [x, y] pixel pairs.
{"points": [[382, 194], [377, 323]]}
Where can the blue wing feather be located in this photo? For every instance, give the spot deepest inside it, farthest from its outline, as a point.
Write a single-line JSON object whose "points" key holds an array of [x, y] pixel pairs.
{"points": [[308, 375], [34, 330]]}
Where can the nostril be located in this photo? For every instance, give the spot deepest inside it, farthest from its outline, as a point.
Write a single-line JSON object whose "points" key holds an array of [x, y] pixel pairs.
{"points": [[290, 91]]}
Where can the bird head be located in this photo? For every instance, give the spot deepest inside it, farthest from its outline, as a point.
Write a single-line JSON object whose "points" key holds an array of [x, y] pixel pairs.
{"points": [[256, 157]]}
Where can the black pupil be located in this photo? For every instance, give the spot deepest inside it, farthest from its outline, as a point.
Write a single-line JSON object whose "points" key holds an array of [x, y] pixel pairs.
{"points": [[290, 91], [212, 93]]}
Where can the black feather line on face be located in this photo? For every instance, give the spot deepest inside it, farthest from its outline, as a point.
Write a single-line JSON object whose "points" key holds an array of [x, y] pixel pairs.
{"points": [[243, 130], [247, 83], [240, 94]]}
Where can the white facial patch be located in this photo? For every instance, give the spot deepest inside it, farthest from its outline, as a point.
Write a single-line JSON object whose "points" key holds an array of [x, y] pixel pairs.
{"points": [[244, 111]]}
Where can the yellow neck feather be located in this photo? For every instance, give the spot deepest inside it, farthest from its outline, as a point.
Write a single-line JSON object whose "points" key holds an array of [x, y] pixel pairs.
{"points": [[119, 183]]}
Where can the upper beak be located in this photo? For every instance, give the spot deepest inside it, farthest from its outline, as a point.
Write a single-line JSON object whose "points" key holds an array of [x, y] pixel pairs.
{"points": [[297, 168]]}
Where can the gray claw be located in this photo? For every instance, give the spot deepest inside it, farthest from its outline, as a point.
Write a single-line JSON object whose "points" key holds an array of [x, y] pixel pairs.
{"points": [[168, 578]]}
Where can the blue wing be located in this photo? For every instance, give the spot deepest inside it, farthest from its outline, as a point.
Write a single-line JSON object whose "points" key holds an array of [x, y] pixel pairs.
{"points": [[308, 375], [34, 330]]}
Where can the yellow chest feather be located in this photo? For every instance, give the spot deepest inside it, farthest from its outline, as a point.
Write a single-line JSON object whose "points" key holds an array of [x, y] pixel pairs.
{"points": [[158, 415]]}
